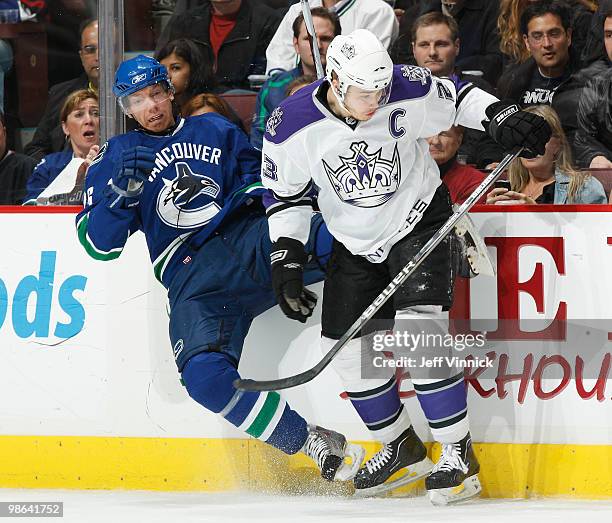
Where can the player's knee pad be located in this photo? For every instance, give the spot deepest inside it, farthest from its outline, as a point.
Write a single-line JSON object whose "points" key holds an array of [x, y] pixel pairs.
{"points": [[351, 365], [208, 378]]}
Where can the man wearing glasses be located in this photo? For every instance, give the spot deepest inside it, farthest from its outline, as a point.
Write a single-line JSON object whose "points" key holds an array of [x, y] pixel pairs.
{"points": [[547, 33], [49, 137]]}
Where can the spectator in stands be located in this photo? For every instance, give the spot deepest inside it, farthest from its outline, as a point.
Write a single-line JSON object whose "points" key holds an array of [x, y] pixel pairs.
{"points": [[436, 45], [298, 83], [49, 137], [375, 15], [476, 20], [63, 20], [6, 64], [567, 98], [512, 44], [80, 120], [593, 137], [460, 179], [161, 12], [15, 169], [190, 73], [547, 34], [550, 178], [232, 34], [208, 103], [273, 92], [594, 45], [184, 5]]}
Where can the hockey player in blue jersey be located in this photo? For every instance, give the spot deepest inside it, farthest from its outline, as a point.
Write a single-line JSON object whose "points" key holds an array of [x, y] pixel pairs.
{"points": [[192, 187], [359, 137]]}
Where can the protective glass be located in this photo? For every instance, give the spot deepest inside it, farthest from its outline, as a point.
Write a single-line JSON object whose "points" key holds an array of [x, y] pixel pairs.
{"points": [[145, 98]]}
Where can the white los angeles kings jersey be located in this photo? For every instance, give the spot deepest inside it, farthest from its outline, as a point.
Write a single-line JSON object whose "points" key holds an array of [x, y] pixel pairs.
{"points": [[373, 182]]}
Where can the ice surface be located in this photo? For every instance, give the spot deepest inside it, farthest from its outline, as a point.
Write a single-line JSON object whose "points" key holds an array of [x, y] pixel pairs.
{"points": [[170, 507]]}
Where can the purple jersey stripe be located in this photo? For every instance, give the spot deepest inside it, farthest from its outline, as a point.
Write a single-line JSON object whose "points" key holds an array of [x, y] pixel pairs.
{"points": [[443, 404], [374, 410]]}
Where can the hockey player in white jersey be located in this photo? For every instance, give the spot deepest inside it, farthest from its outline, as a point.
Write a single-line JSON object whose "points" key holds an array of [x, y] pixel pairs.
{"points": [[356, 139]]}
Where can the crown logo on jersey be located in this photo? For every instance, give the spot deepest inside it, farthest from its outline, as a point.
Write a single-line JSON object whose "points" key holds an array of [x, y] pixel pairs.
{"points": [[416, 74], [274, 121], [365, 179]]}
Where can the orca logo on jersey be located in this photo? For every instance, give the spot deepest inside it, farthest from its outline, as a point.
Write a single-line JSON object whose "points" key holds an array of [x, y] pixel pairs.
{"points": [[184, 202], [365, 179]]}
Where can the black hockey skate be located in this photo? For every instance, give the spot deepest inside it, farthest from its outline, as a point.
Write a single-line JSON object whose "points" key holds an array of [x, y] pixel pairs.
{"points": [[454, 478], [329, 450], [398, 463]]}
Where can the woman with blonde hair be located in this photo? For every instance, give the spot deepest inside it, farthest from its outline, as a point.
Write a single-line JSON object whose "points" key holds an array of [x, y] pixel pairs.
{"points": [[550, 178], [509, 26], [80, 120]]}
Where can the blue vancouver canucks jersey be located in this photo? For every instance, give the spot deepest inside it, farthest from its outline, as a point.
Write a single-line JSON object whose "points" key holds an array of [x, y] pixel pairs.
{"points": [[204, 170]]}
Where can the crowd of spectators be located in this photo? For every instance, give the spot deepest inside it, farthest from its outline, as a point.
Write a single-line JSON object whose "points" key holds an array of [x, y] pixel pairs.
{"points": [[552, 56]]}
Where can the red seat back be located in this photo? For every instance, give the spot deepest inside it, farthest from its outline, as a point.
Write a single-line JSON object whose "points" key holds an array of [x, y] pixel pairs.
{"points": [[243, 105]]}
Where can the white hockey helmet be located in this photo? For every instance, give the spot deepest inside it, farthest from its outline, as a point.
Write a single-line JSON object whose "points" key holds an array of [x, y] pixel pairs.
{"points": [[359, 59]]}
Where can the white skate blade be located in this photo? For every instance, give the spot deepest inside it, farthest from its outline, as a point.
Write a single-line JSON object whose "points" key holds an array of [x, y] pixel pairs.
{"points": [[347, 471], [412, 473], [447, 496]]}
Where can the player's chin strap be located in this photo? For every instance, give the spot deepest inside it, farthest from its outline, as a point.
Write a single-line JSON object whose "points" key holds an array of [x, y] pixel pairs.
{"points": [[381, 299]]}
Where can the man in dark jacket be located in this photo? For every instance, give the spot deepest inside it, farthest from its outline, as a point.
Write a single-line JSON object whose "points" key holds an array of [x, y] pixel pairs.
{"points": [[593, 137], [233, 35], [546, 29], [477, 20], [15, 169], [49, 137]]}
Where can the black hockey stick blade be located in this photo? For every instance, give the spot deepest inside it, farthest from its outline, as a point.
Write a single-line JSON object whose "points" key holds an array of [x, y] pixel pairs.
{"points": [[402, 276]]}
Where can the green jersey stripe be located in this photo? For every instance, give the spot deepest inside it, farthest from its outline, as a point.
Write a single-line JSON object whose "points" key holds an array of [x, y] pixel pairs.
{"points": [[267, 412], [88, 245]]}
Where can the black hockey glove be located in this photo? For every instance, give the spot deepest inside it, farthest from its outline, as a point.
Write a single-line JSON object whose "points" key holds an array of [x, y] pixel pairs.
{"points": [[130, 175], [512, 128], [288, 258]]}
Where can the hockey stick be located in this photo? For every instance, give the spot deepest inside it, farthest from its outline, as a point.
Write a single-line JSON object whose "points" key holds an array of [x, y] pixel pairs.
{"points": [[312, 36], [411, 266]]}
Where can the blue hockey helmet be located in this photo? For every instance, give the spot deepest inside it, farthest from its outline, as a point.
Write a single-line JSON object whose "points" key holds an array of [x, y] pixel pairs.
{"points": [[137, 73]]}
